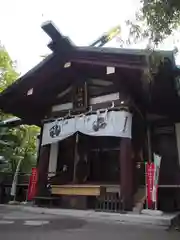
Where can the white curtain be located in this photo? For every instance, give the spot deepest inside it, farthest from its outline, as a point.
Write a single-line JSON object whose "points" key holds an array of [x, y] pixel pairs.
{"points": [[107, 123]]}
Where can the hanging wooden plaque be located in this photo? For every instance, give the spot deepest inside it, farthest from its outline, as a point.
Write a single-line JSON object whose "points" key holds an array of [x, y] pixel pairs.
{"points": [[80, 97]]}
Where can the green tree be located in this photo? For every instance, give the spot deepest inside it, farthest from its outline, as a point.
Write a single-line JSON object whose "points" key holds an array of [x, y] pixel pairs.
{"points": [[161, 17], [20, 142], [8, 73]]}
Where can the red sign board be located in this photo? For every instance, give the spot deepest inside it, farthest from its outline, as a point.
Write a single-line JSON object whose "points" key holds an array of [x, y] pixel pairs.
{"points": [[150, 170], [32, 184]]}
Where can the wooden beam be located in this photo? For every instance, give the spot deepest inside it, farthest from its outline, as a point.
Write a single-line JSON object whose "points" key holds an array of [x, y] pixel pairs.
{"points": [[109, 63], [51, 30], [93, 101], [59, 42], [79, 190], [95, 107], [100, 82]]}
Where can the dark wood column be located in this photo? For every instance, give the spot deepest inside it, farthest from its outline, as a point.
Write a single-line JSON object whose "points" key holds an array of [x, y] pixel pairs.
{"points": [[126, 174], [43, 165], [81, 170]]}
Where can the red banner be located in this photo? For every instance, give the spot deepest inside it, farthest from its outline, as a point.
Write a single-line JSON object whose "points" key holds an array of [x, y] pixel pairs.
{"points": [[150, 170], [32, 184]]}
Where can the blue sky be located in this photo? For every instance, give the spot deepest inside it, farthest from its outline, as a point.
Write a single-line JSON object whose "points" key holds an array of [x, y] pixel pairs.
{"points": [[83, 21]]}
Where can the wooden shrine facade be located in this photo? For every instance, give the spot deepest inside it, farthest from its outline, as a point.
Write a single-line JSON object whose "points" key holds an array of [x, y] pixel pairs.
{"points": [[96, 108]]}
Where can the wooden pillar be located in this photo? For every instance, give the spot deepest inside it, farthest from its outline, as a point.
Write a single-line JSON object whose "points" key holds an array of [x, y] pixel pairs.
{"points": [[81, 165], [126, 175], [149, 148], [43, 164], [76, 158]]}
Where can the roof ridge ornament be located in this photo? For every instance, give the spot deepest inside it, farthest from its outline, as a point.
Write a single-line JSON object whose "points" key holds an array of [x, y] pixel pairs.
{"points": [[59, 42]]}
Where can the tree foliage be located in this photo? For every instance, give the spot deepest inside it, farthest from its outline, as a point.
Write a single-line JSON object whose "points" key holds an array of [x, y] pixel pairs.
{"points": [[20, 142], [162, 17], [7, 69]]}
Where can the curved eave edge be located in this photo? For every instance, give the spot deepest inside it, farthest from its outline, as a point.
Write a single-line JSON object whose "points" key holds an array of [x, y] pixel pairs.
{"points": [[29, 74], [99, 52]]}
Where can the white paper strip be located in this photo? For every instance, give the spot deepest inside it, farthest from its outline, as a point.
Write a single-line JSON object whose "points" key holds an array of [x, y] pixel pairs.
{"points": [[112, 123], [110, 70]]}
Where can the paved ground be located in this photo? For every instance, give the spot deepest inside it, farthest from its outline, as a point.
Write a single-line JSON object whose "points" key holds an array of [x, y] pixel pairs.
{"points": [[18, 225]]}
